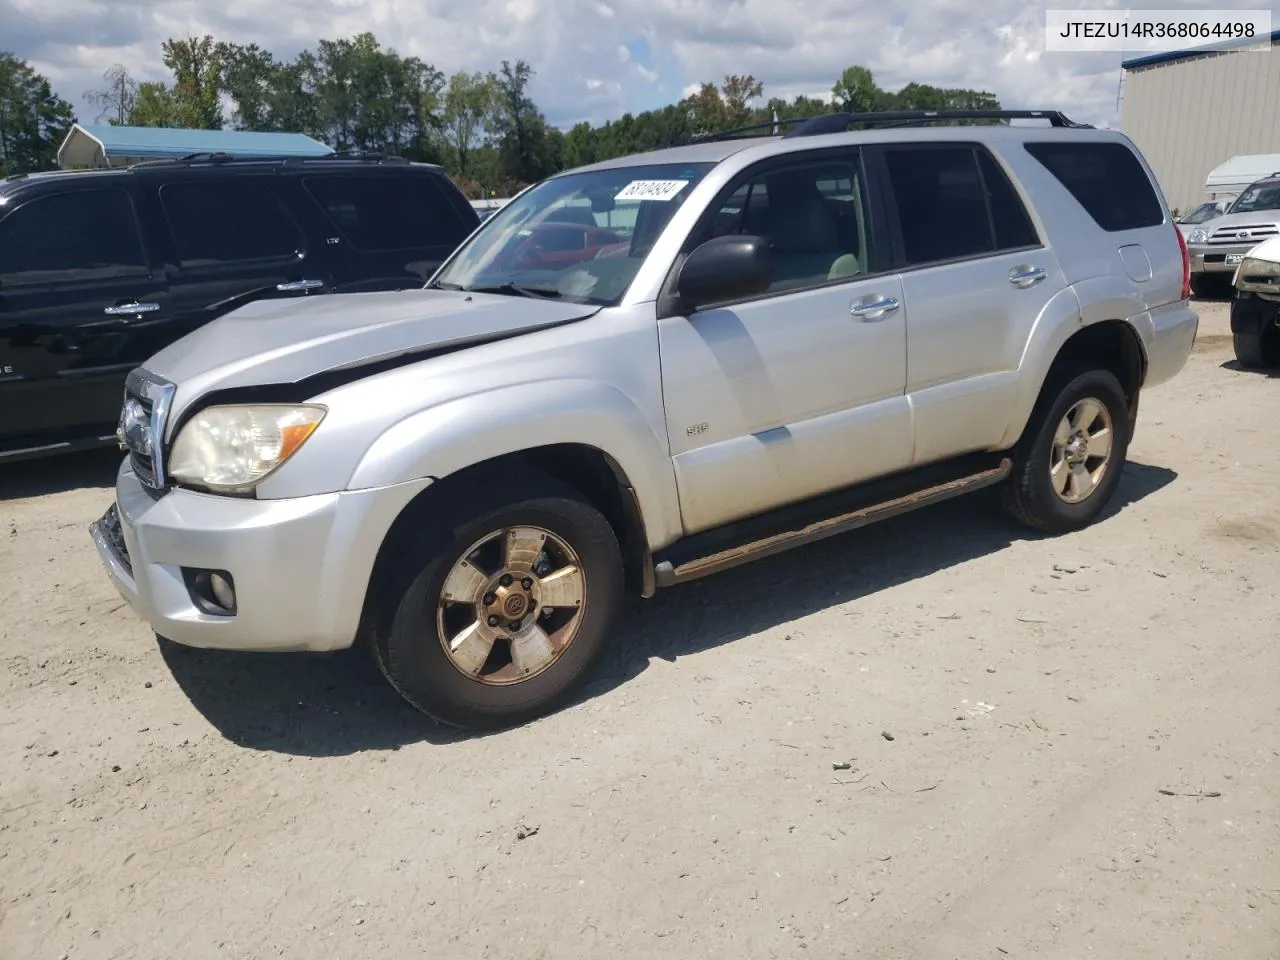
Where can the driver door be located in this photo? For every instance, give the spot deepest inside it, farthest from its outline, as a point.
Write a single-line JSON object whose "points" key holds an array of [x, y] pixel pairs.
{"points": [[800, 390]]}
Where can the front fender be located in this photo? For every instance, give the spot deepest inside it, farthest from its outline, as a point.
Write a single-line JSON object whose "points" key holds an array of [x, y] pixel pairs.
{"points": [[460, 433]]}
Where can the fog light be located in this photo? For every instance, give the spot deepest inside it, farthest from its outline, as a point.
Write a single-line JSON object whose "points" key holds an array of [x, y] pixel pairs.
{"points": [[212, 591], [223, 592]]}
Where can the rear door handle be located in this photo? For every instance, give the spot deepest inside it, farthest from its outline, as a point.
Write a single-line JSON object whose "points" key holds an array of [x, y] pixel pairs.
{"points": [[295, 285], [129, 309], [1026, 276], [875, 309]]}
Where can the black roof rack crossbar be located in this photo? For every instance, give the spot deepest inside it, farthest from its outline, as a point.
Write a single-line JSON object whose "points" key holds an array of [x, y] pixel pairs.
{"points": [[207, 157], [840, 122]]}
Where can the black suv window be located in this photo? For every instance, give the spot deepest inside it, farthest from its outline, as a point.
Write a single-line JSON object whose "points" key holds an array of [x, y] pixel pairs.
{"points": [[85, 235], [954, 202], [228, 221], [376, 213], [1106, 179]]}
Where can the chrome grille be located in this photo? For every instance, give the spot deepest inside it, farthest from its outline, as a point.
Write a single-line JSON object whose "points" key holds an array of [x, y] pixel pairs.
{"points": [[1253, 234], [147, 398]]}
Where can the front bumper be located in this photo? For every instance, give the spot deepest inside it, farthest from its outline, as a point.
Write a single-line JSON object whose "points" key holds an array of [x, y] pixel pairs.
{"points": [[301, 567], [1206, 258]]}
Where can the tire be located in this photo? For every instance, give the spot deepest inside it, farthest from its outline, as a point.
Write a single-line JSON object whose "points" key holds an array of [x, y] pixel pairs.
{"points": [[409, 650], [1259, 350], [1028, 494]]}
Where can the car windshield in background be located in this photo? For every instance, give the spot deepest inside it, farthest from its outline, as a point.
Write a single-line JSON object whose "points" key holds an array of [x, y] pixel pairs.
{"points": [[1262, 197], [1206, 211], [581, 237]]}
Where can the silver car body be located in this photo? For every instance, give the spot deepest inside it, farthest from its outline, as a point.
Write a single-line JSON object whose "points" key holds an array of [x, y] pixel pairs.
{"points": [[745, 410]]}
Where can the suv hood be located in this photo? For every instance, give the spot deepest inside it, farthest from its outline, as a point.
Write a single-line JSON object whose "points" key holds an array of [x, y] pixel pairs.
{"points": [[285, 341], [1243, 221]]}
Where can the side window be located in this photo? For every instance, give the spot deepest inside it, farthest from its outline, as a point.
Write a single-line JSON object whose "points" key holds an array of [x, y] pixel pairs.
{"points": [[229, 221], [379, 213], [942, 207], [814, 216], [1106, 179], [85, 235], [1008, 216]]}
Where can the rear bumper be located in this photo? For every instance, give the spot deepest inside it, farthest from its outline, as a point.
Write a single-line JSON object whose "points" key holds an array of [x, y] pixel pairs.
{"points": [[1170, 337], [300, 567]]}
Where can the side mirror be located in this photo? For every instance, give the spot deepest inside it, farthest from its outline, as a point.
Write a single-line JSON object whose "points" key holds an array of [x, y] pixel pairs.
{"points": [[726, 268]]}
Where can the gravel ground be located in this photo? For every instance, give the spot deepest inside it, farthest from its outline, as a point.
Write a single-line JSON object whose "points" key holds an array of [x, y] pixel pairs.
{"points": [[1055, 748]]}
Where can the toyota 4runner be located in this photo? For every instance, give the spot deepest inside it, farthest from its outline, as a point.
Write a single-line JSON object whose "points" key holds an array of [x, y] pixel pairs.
{"points": [[644, 371]]}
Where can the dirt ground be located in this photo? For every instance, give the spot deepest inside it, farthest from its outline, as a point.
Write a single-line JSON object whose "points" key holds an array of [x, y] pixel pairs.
{"points": [[1056, 748]]}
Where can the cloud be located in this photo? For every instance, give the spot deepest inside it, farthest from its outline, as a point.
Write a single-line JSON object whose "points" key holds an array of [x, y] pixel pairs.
{"points": [[595, 59]]}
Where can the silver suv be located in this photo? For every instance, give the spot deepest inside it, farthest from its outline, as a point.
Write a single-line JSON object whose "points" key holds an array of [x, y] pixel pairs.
{"points": [[1219, 246], [644, 371]]}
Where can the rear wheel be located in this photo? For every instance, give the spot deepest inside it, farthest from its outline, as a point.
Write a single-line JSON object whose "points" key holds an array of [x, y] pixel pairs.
{"points": [[1258, 350], [498, 618], [1068, 464]]}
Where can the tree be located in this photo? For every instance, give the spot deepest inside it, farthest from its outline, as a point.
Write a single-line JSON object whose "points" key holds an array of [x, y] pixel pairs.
{"points": [[33, 121], [856, 92], [197, 73], [155, 107], [117, 98], [526, 153], [736, 93], [468, 100]]}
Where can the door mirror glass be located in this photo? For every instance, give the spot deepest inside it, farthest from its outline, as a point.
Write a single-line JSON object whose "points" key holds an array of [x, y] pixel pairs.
{"points": [[726, 268]]}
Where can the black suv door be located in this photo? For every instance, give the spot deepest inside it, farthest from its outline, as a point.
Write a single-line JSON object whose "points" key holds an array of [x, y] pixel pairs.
{"points": [[81, 299], [233, 241], [394, 226]]}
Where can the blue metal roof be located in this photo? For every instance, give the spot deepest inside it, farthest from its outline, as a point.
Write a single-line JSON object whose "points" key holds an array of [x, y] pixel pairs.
{"points": [[1171, 55], [161, 142]]}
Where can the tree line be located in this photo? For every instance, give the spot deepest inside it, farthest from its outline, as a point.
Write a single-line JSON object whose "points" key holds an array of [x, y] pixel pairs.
{"points": [[357, 95]]}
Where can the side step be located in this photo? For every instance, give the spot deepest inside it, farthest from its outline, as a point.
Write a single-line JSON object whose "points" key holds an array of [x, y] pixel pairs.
{"points": [[668, 573]]}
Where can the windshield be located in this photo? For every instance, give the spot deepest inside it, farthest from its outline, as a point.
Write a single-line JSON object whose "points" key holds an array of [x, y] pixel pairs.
{"points": [[1206, 211], [1262, 196], [581, 236]]}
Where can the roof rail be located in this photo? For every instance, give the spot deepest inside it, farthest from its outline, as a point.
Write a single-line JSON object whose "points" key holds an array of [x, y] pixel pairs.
{"points": [[840, 122]]}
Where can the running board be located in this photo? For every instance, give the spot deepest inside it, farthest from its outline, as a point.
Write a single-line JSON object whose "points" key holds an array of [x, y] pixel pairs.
{"points": [[668, 575]]}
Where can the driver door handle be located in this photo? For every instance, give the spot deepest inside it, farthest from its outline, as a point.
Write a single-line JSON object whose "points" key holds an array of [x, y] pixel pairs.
{"points": [[1026, 276], [876, 308], [295, 285]]}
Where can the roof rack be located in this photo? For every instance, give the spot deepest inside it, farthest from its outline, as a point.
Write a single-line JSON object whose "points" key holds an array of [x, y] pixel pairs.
{"points": [[840, 122], [220, 157]]}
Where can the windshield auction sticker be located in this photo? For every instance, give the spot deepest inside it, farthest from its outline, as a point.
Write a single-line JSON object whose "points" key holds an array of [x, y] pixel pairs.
{"points": [[651, 189]]}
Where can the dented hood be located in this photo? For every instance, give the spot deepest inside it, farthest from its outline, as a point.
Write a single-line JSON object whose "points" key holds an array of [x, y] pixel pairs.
{"points": [[285, 341]]}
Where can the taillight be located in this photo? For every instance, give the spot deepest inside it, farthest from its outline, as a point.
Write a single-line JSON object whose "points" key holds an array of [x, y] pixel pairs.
{"points": [[1186, 263]]}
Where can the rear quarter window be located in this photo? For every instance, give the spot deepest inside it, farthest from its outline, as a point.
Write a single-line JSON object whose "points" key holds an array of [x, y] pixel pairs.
{"points": [[1106, 179]]}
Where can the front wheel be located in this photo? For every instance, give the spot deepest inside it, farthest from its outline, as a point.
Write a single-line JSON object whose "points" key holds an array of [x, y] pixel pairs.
{"points": [[1259, 350], [1068, 464], [500, 617]]}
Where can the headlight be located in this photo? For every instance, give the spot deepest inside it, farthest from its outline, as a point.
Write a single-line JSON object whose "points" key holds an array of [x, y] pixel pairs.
{"points": [[1197, 236], [1258, 276], [234, 448]]}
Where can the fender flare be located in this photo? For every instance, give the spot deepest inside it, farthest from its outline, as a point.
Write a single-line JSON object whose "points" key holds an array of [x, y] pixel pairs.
{"points": [[466, 431]]}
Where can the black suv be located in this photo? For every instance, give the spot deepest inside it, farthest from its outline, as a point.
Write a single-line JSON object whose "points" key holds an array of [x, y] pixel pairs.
{"points": [[100, 269]]}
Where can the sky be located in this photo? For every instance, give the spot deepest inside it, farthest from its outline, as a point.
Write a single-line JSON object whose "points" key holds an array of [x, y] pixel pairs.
{"points": [[595, 59]]}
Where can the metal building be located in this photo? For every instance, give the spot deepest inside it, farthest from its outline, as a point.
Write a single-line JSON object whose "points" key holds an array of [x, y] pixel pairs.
{"points": [[1191, 111], [101, 145]]}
